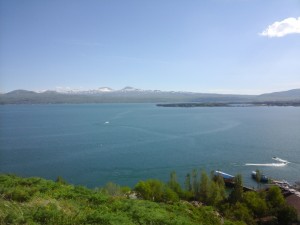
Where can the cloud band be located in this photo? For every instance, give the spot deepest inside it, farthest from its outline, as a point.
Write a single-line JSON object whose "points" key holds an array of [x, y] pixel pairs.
{"points": [[287, 26]]}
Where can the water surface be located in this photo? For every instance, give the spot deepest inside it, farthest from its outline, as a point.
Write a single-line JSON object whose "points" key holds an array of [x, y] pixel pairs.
{"points": [[91, 144]]}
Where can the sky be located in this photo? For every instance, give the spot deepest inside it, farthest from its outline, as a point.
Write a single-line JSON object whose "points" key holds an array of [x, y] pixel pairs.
{"points": [[216, 46]]}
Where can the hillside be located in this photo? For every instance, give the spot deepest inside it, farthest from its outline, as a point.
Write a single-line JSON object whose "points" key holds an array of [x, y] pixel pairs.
{"points": [[133, 95], [125, 95], [40, 201], [291, 95]]}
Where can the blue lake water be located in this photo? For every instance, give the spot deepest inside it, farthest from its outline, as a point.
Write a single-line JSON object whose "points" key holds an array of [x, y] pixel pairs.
{"points": [[91, 144]]}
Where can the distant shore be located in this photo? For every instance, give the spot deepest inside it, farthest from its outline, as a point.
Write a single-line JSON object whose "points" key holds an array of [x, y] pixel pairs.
{"points": [[216, 104]]}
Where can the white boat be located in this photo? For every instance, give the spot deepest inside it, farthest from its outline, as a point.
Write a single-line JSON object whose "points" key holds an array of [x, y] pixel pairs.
{"points": [[280, 160]]}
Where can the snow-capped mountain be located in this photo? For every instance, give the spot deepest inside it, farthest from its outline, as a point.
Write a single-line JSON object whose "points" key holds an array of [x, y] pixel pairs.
{"points": [[105, 89], [67, 90], [134, 95], [127, 89], [100, 90], [97, 91]]}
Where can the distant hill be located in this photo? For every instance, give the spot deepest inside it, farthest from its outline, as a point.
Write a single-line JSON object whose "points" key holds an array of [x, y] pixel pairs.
{"points": [[291, 95], [134, 95], [20, 92]]}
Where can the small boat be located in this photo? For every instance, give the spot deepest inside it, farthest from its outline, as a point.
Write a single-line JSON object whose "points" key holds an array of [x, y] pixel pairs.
{"points": [[107, 122], [279, 160], [263, 178], [228, 179], [225, 176]]}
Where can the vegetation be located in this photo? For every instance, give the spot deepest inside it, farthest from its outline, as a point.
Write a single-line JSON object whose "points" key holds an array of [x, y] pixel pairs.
{"points": [[202, 201]]}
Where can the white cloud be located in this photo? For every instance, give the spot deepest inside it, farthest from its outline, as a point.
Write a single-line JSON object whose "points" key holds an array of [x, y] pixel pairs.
{"points": [[289, 25]]}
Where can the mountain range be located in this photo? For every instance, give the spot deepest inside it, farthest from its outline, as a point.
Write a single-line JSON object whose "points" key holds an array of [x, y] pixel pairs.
{"points": [[134, 95]]}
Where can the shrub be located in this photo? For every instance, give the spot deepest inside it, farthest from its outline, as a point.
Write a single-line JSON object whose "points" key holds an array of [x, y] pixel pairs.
{"points": [[18, 194], [274, 198], [287, 215], [48, 214], [255, 203], [113, 189]]}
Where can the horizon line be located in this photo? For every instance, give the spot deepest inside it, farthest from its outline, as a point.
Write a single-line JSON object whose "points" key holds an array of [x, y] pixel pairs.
{"points": [[67, 90]]}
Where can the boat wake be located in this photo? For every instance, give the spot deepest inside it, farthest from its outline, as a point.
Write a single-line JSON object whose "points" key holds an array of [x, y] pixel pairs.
{"points": [[266, 164], [281, 164], [280, 160]]}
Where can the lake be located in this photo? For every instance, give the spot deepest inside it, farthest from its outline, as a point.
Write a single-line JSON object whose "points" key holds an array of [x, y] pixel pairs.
{"points": [[91, 144]]}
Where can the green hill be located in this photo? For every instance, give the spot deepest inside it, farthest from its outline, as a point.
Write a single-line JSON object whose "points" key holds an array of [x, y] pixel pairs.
{"points": [[40, 201]]}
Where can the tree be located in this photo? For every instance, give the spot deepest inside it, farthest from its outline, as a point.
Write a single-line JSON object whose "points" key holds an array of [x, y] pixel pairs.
{"points": [[241, 212], [173, 183], [215, 195], [287, 215], [204, 187], [195, 182], [255, 203], [155, 190], [237, 193], [61, 180], [275, 198], [188, 185], [258, 178], [143, 190], [170, 195], [113, 189], [221, 184]]}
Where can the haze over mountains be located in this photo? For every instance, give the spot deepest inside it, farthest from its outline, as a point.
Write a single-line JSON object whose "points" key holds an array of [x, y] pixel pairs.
{"points": [[134, 95]]}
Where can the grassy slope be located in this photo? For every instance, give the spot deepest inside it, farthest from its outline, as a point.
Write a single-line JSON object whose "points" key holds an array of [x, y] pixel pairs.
{"points": [[40, 201]]}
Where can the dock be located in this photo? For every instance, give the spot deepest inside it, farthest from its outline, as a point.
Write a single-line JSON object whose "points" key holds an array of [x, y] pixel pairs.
{"points": [[229, 180], [286, 188], [230, 184], [291, 194]]}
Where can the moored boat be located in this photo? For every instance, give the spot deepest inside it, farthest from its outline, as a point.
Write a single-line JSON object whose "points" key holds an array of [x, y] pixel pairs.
{"points": [[228, 179], [225, 176], [263, 178]]}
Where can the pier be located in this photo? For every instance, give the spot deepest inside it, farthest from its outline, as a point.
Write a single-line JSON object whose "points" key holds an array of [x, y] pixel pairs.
{"points": [[291, 194], [286, 188], [230, 184]]}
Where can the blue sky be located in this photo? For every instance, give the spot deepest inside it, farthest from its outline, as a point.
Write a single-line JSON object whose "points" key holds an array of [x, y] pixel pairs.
{"points": [[219, 46]]}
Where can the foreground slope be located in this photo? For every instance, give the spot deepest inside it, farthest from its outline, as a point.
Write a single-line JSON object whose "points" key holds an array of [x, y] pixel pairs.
{"points": [[39, 201]]}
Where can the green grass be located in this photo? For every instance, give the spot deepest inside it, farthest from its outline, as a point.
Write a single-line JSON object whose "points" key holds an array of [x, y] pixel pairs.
{"points": [[40, 201]]}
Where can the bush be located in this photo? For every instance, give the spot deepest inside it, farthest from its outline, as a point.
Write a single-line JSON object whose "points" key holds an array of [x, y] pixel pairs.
{"points": [[156, 190], [98, 198], [170, 195], [255, 203], [113, 189], [60, 180], [274, 198], [48, 214], [18, 194], [287, 215], [150, 190], [241, 212]]}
